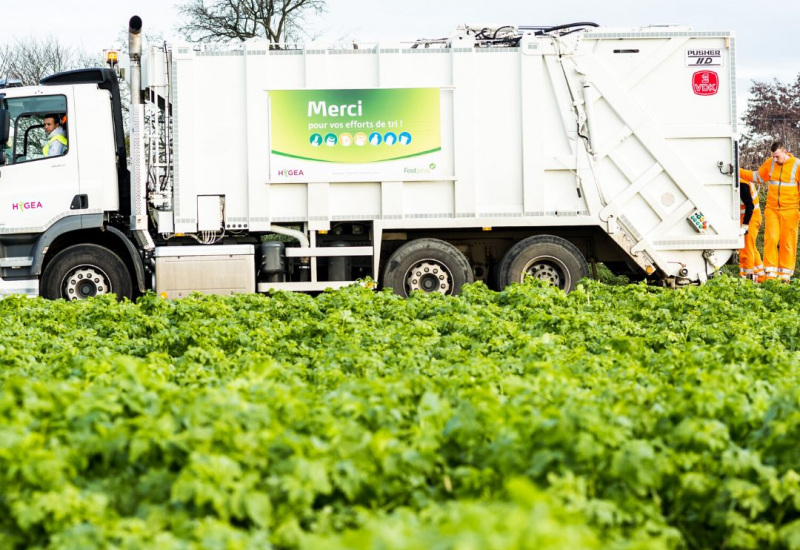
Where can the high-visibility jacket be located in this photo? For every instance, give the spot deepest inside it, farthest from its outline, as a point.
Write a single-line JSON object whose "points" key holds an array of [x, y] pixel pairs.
{"points": [[783, 179], [750, 266], [56, 136], [750, 263], [754, 197]]}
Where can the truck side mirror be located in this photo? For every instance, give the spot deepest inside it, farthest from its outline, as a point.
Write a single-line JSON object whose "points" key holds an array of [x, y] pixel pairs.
{"points": [[5, 128]]}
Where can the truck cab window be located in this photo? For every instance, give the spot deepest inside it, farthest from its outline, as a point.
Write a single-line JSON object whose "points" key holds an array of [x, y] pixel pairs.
{"points": [[38, 128]]}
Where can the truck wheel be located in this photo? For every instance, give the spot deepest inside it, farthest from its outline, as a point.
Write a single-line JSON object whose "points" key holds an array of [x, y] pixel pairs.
{"points": [[429, 265], [81, 271], [545, 257]]}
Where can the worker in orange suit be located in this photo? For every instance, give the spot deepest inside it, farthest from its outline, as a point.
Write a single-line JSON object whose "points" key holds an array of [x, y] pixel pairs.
{"points": [[781, 215], [750, 266]]}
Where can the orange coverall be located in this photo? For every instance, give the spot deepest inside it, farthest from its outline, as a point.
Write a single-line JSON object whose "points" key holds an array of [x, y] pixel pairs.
{"points": [[781, 214], [750, 266]]}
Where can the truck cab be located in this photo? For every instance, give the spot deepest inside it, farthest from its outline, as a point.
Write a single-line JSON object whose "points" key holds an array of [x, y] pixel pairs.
{"points": [[44, 189], [53, 202]]}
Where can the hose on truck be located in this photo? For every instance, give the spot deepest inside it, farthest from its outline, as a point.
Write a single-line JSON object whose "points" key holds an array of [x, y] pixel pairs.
{"points": [[571, 27]]}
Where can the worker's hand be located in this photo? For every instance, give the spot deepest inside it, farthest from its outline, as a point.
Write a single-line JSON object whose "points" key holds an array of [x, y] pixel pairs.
{"points": [[743, 230]]}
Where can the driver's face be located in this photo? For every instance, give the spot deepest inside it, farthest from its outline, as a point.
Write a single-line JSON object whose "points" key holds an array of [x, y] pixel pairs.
{"points": [[49, 125]]}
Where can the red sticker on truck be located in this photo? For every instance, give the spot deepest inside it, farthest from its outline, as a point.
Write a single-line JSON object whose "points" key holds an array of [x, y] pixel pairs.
{"points": [[705, 82]]}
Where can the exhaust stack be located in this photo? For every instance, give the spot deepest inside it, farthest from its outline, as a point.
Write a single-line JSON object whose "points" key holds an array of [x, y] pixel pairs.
{"points": [[138, 165], [135, 52]]}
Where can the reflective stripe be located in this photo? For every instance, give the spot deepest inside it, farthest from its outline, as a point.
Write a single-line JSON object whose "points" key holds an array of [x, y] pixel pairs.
{"points": [[770, 270], [753, 195], [758, 175], [785, 270], [792, 176], [794, 170], [784, 183], [746, 271]]}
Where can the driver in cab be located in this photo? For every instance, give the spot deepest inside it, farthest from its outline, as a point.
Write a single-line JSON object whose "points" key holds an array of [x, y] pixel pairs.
{"points": [[56, 136]]}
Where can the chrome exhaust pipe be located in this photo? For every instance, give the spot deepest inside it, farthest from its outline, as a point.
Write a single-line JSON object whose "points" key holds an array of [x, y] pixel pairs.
{"points": [[135, 53]]}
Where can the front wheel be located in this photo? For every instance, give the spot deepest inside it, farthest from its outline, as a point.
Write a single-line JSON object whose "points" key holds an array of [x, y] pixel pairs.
{"points": [[85, 270], [544, 257], [429, 265]]}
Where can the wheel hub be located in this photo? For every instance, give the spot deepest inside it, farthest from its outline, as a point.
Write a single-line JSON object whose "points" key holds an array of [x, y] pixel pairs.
{"points": [[548, 269], [85, 281], [429, 276]]}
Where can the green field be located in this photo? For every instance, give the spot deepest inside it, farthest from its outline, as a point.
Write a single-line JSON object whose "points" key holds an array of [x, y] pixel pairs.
{"points": [[617, 417]]}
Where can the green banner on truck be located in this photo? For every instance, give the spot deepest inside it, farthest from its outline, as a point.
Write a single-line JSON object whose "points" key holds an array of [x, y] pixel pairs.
{"points": [[330, 134]]}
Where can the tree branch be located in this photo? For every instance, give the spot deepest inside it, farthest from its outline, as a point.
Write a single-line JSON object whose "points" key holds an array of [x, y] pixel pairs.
{"points": [[225, 20]]}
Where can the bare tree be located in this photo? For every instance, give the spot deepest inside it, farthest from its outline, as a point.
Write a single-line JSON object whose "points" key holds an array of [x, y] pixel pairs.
{"points": [[773, 113], [3, 61], [224, 20], [31, 59]]}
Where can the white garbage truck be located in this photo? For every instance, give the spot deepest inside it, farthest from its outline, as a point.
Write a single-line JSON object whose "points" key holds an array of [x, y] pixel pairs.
{"points": [[493, 154]]}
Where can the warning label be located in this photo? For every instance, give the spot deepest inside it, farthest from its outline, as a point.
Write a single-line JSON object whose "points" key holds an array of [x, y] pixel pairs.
{"points": [[704, 58]]}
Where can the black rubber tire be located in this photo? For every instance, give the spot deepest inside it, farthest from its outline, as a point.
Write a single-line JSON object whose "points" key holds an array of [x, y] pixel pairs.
{"points": [[430, 253], [545, 257], [112, 275]]}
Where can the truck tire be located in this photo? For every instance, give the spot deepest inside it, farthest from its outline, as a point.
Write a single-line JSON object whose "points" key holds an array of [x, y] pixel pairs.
{"points": [[429, 265], [545, 257], [85, 270]]}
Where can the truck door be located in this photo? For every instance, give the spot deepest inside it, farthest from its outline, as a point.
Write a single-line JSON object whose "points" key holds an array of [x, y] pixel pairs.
{"points": [[37, 190]]}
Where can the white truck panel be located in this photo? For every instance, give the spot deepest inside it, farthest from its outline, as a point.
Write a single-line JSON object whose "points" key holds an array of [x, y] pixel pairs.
{"points": [[615, 129], [93, 143], [356, 201]]}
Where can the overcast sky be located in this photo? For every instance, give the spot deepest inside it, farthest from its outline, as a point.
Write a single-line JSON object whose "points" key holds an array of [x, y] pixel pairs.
{"points": [[767, 43]]}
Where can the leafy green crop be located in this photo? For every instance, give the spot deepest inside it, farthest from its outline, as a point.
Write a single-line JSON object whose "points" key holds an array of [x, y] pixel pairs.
{"points": [[617, 417]]}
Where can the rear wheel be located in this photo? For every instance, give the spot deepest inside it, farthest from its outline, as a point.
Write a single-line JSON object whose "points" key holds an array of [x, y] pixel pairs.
{"points": [[429, 265], [83, 271], [544, 257]]}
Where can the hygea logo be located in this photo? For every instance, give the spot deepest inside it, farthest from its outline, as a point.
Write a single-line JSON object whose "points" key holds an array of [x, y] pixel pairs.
{"points": [[23, 206], [288, 173], [705, 83]]}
